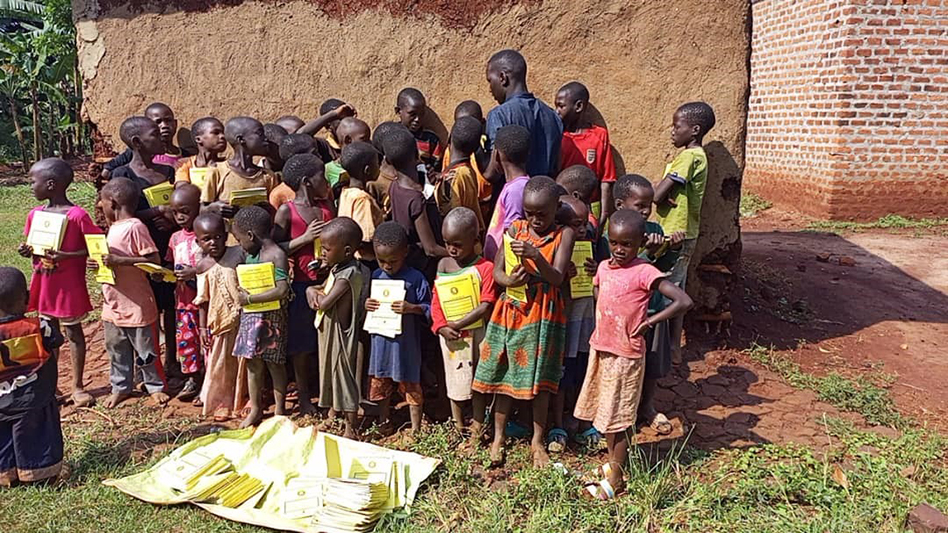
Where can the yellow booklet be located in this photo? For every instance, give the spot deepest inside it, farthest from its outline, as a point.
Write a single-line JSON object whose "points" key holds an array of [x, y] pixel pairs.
{"points": [[459, 293], [511, 261], [327, 286], [166, 275], [159, 194], [581, 285], [257, 279], [198, 176], [46, 232], [385, 321], [97, 245], [247, 197]]}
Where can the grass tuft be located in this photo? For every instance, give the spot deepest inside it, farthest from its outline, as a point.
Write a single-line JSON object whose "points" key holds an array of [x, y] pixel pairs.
{"points": [[751, 204], [886, 222]]}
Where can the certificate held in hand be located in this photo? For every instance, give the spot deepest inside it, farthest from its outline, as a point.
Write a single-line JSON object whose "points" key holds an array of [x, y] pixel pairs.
{"points": [[384, 320], [98, 246], [459, 294], [511, 261], [258, 279], [46, 232], [580, 285], [159, 194]]}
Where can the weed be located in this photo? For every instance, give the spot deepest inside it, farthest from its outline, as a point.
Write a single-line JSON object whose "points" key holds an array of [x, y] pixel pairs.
{"points": [[885, 222], [751, 204]]}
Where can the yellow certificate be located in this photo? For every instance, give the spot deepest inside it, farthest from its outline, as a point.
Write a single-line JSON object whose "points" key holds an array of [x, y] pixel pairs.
{"points": [[326, 288], [511, 261], [46, 232], [247, 197], [98, 246], [166, 275], [581, 285], [258, 279], [159, 194], [384, 320], [198, 176], [459, 294]]}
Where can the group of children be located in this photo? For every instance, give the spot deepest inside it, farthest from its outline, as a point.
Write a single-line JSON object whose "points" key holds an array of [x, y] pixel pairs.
{"points": [[361, 229]]}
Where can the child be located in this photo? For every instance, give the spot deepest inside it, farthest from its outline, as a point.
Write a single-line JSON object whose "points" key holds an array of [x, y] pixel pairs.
{"points": [[299, 223], [679, 195], [479, 159], [129, 312], [58, 286], [261, 339], [291, 123], [350, 130], [522, 358], [379, 188], [411, 109], [339, 321], [217, 297], [581, 182], [274, 134], [31, 437], [511, 149], [460, 344], [361, 161], [458, 186], [246, 137], [613, 385], [169, 155], [587, 144], [292, 144], [396, 363], [208, 135], [331, 113]]}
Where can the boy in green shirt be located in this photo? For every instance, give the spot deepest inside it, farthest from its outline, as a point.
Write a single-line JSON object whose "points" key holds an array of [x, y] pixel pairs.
{"points": [[679, 195]]}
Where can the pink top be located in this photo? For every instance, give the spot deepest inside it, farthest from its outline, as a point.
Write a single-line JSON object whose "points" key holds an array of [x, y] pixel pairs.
{"points": [[167, 159], [508, 209], [62, 293], [130, 303], [183, 251], [622, 305]]}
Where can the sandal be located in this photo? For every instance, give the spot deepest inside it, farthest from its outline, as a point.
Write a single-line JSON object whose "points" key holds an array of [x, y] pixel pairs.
{"points": [[661, 425], [516, 431], [556, 440], [591, 438], [603, 488], [189, 391]]}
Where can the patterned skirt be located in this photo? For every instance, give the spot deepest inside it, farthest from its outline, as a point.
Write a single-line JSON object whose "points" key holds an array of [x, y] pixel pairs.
{"points": [[188, 340], [262, 336]]}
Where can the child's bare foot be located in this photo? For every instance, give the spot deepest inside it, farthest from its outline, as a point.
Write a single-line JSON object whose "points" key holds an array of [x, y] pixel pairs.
{"points": [[253, 418], [351, 434], [540, 458], [160, 398], [82, 398], [496, 454], [307, 408], [115, 399]]}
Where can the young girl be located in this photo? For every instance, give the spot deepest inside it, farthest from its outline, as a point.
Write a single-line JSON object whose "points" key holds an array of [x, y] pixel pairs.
{"points": [[262, 336], [613, 385], [208, 134], [217, 296], [339, 320], [523, 355], [58, 287]]}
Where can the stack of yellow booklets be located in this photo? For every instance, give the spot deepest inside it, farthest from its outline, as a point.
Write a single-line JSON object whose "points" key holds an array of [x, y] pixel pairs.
{"points": [[97, 245], [247, 197], [46, 232], [166, 275], [511, 261], [459, 293], [581, 285], [257, 279], [385, 321], [351, 505], [159, 194], [198, 176]]}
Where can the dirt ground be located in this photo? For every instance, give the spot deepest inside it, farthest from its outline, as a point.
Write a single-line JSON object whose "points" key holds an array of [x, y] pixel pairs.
{"points": [[885, 312]]}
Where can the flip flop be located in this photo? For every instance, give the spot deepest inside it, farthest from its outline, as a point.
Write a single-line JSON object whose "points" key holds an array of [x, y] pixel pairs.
{"points": [[591, 438], [556, 440], [661, 425]]}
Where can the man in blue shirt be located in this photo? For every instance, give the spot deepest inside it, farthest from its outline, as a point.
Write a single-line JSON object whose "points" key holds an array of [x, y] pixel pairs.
{"points": [[507, 76]]}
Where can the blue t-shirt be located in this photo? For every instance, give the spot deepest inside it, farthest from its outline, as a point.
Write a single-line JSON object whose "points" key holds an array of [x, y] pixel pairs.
{"points": [[400, 358], [546, 130]]}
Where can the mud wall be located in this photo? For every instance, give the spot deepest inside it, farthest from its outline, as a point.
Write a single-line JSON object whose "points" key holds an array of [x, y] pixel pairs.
{"points": [[639, 58]]}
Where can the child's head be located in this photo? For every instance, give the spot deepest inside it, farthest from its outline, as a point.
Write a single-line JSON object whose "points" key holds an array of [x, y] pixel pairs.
{"points": [[306, 171], [361, 161], [13, 293], [351, 130], [541, 199], [119, 194], [290, 123], [246, 134], [274, 134], [391, 246], [331, 105], [579, 181], [143, 136], [252, 226], [50, 177], [208, 134], [340, 238], [634, 192], [465, 136], [460, 233], [411, 108], [574, 213], [382, 131], [296, 144], [513, 144], [163, 116], [691, 122], [469, 108], [505, 70], [211, 234], [626, 233], [400, 149], [570, 102], [186, 204]]}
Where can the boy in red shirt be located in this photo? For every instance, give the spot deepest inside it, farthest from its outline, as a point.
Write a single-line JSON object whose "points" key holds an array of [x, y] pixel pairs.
{"points": [[585, 143]]}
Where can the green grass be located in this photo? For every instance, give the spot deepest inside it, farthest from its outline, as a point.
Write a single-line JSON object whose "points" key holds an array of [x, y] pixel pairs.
{"points": [[751, 204], [886, 222]]}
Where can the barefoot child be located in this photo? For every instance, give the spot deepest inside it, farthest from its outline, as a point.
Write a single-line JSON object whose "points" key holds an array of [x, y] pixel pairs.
{"points": [[411, 108], [208, 135], [460, 343], [361, 162], [298, 224], [610, 394], [523, 355], [58, 285], [217, 297], [129, 312], [339, 320], [261, 340], [31, 438]]}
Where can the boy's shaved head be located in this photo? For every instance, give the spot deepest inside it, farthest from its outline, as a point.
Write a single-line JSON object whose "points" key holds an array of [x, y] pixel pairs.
{"points": [[201, 125], [290, 123], [628, 218], [410, 96], [345, 229], [579, 179], [274, 133], [122, 191], [209, 222], [382, 131], [12, 288], [391, 234], [253, 218], [358, 155], [353, 128], [469, 108], [571, 207], [300, 167], [330, 105], [510, 62], [513, 140], [461, 219], [699, 114], [400, 148], [575, 91], [626, 184], [53, 168], [466, 134], [135, 127], [158, 107], [186, 193], [239, 127], [543, 185], [296, 144]]}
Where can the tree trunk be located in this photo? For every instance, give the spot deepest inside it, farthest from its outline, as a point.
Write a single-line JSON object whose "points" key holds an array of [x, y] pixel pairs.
{"points": [[37, 128], [24, 153], [76, 105], [52, 132]]}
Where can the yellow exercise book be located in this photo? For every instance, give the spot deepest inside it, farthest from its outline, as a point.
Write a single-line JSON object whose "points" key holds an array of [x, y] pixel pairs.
{"points": [[257, 279], [198, 176], [385, 321], [581, 285], [459, 294], [511, 261], [248, 197], [46, 232], [327, 286], [97, 245], [166, 275], [159, 194]]}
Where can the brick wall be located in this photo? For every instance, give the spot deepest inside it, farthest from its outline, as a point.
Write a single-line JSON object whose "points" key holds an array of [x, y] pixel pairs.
{"points": [[848, 109]]}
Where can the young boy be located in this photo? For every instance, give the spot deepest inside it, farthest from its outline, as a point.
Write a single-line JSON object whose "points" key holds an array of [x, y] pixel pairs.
{"points": [[679, 195], [361, 161], [387, 174], [31, 438], [350, 130], [458, 186], [291, 123], [585, 143], [411, 109], [246, 137], [292, 144], [274, 134], [129, 312], [479, 159], [511, 150], [331, 113], [163, 116], [208, 135]]}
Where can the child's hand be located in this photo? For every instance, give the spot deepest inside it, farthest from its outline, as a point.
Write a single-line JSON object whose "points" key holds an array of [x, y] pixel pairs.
{"points": [[571, 271], [243, 297], [185, 273], [642, 328], [372, 305], [227, 210], [677, 238], [108, 260], [162, 222], [670, 202], [25, 250], [590, 266], [524, 250], [91, 264], [157, 277], [345, 110], [519, 276], [312, 297], [314, 230], [205, 335], [402, 307], [653, 241], [449, 333], [47, 265]]}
